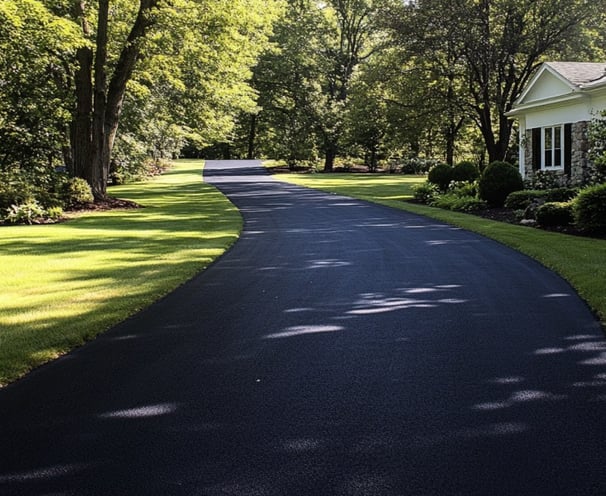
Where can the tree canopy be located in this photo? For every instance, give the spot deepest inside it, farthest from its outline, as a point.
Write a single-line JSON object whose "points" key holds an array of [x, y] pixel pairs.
{"points": [[96, 88]]}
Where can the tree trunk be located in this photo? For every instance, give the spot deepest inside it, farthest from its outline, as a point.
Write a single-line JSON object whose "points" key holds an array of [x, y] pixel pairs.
{"points": [[329, 157], [96, 178], [450, 145], [252, 136], [99, 105], [80, 127]]}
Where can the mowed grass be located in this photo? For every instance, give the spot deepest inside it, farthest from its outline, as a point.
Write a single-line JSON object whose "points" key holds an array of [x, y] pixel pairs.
{"points": [[65, 283], [580, 260]]}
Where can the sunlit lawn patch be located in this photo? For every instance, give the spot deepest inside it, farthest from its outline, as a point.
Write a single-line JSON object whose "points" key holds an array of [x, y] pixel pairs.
{"points": [[62, 284], [580, 260]]}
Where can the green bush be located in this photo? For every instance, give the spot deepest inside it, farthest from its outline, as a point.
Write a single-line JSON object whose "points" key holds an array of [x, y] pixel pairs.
{"points": [[543, 179], [14, 192], [561, 194], [519, 200], [590, 209], [417, 165], [54, 213], [424, 192], [465, 171], [452, 201], [441, 175], [555, 214], [77, 192], [30, 212], [463, 188], [498, 180]]}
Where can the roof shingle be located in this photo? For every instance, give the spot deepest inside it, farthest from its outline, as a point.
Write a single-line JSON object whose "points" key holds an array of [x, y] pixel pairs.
{"points": [[579, 73]]}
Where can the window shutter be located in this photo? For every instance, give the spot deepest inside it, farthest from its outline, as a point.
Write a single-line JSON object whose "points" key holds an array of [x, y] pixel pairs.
{"points": [[536, 148], [567, 149]]}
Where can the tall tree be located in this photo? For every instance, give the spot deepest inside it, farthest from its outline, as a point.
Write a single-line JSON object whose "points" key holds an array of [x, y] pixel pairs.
{"points": [[498, 44], [234, 32], [287, 80], [351, 43], [35, 101]]}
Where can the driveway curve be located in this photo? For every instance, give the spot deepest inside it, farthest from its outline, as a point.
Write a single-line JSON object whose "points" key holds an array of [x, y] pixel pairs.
{"points": [[339, 348]]}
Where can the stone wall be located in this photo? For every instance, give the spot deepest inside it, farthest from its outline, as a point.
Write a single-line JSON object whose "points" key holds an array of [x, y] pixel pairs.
{"points": [[580, 151], [528, 172], [580, 165]]}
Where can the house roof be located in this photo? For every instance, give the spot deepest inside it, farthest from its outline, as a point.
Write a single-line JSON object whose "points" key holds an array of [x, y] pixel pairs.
{"points": [[580, 74], [574, 79]]}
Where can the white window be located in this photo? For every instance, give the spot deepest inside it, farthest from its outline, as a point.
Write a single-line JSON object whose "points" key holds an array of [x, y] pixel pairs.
{"points": [[552, 141]]}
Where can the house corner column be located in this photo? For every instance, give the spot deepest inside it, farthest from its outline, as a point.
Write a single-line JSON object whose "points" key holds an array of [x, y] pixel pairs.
{"points": [[523, 139]]}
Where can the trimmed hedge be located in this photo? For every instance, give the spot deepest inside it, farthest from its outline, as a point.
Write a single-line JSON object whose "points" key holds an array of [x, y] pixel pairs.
{"points": [[552, 214], [519, 200], [440, 175], [590, 209], [498, 181], [465, 171]]}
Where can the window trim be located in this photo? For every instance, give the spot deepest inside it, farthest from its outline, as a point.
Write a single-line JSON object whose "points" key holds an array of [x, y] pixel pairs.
{"points": [[544, 132]]}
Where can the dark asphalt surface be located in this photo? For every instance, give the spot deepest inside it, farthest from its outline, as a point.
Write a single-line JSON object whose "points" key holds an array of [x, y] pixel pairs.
{"points": [[339, 348]]}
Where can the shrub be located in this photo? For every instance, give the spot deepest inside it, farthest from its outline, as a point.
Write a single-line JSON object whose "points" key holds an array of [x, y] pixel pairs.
{"points": [[417, 165], [14, 192], [590, 209], [463, 188], [498, 180], [54, 213], [29, 212], [465, 171], [542, 179], [561, 194], [519, 200], [555, 214], [424, 192], [77, 192], [452, 201], [441, 175]]}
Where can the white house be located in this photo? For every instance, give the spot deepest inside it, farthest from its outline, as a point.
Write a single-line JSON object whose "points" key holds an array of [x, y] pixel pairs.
{"points": [[553, 112]]}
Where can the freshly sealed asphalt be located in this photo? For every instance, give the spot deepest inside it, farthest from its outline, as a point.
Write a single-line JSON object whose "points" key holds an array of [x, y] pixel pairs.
{"points": [[339, 348]]}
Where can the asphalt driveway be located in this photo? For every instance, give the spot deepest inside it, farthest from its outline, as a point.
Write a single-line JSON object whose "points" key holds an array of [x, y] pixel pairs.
{"points": [[339, 348]]}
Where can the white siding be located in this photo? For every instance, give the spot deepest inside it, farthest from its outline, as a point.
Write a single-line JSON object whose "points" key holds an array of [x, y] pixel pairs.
{"points": [[540, 117], [547, 86]]}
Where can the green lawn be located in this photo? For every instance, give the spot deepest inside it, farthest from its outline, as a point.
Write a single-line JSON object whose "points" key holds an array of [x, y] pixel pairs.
{"points": [[582, 261], [63, 284]]}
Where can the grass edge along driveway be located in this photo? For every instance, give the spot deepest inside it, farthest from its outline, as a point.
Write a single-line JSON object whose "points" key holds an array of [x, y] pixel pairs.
{"points": [[63, 284], [579, 260]]}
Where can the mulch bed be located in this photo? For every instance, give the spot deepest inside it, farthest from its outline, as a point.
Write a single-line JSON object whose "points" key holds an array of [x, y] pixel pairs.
{"points": [[509, 216], [108, 203]]}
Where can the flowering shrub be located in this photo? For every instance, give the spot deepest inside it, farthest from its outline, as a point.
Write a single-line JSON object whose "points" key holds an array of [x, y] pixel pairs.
{"points": [[463, 188], [596, 172], [542, 179], [425, 192]]}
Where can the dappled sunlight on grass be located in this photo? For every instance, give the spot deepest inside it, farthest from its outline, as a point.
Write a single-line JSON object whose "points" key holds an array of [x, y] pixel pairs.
{"points": [[65, 283], [382, 186]]}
